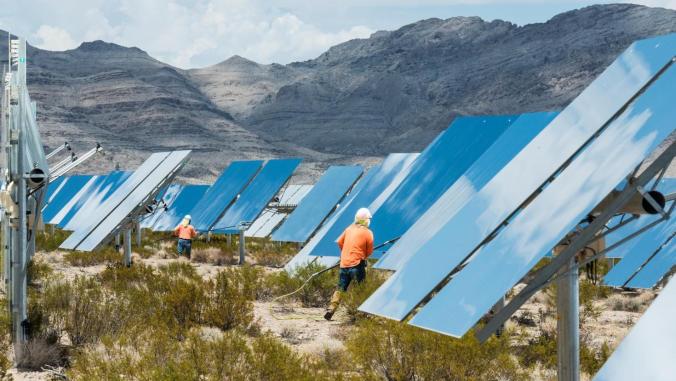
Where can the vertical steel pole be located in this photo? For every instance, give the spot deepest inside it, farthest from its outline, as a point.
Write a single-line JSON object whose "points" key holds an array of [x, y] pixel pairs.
{"points": [[568, 323], [242, 251], [139, 234], [127, 247]]}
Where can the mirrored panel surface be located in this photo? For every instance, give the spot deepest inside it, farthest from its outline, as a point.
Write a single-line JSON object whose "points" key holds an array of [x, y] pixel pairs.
{"points": [[440, 165], [81, 213], [638, 252], [649, 350], [223, 192], [570, 197], [71, 205], [164, 200], [660, 265], [270, 225], [66, 190], [180, 206], [522, 131], [371, 191], [316, 206], [256, 196], [513, 185]]}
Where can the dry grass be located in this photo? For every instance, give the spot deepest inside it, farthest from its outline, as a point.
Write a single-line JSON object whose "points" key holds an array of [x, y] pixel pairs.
{"points": [[213, 256]]}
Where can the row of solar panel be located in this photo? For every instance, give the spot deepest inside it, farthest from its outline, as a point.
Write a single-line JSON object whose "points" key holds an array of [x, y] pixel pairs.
{"points": [[240, 194]]}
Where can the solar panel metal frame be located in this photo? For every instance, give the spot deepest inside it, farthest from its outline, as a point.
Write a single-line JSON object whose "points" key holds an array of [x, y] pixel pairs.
{"points": [[172, 216]]}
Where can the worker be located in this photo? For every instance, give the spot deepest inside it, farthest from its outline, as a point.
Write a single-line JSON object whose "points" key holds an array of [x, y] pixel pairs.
{"points": [[356, 245], [185, 233]]}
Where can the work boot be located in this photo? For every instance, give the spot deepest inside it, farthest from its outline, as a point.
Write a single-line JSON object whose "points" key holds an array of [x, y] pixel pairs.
{"points": [[333, 305]]}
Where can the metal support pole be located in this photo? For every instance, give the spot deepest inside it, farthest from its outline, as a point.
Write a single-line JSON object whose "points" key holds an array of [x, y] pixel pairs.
{"points": [[568, 323], [229, 239], [208, 236], [127, 247], [139, 234], [118, 241], [242, 249]]}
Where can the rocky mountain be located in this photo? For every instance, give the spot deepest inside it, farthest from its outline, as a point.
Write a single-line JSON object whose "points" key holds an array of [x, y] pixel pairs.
{"points": [[392, 92]]}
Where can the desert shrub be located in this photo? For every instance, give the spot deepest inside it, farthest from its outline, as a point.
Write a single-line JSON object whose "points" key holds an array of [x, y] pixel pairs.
{"points": [[540, 349], [47, 241], [315, 294], [160, 357], [38, 271], [592, 360], [229, 301], [5, 337], [395, 351], [212, 255], [104, 255], [268, 253], [39, 353]]}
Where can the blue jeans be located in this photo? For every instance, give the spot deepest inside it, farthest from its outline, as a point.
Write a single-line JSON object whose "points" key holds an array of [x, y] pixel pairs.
{"points": [[184, 245], [346, 275]]}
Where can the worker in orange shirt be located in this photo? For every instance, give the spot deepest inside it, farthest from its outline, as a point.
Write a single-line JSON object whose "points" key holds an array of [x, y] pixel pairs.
{"points": [[356, 245], [185, 233]]}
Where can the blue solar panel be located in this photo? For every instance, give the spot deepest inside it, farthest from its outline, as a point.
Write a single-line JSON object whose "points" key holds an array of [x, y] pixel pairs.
{"points": [[223, 192], [666, 186], [649, 350], [164, 199], [371, 191], [657, 268], [508, 145], [317, 205], [69, 188], [638, 251], [181, 205], [626, 142], [52, 188], [437, 168], [517, 181], [96, 193], [257, 195]]}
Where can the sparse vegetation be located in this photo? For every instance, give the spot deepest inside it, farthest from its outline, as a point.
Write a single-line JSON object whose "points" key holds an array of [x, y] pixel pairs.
{"points": [[104, 255]]}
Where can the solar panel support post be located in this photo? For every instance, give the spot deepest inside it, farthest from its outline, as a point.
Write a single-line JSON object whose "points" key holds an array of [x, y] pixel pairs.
{"points": [[568, 323], [242, 227], [127, 247], [546, 274], [139, 233], [118, 241]]}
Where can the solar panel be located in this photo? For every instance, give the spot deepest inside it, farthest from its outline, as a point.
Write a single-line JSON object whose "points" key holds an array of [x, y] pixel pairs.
{"points": [[293, 194], [317, 205], [181, 205], [265, 223], [77, 198], [571, 196], [515, 183], [53, 188], [164, 199], [508, 145], [440, 165], [371, 191], [66, 190], [97, 193], [656, 268], [641, 250], [257, 195], [139, 186], [222, 193], [666, 186], [649, 350]]}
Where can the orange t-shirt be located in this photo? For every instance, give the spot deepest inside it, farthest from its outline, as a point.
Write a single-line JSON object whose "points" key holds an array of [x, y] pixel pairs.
{"points": [[185, 232], [356, 244]]}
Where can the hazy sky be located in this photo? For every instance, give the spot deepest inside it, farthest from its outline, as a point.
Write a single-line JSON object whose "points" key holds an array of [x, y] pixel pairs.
{"points": [[196, 33]]}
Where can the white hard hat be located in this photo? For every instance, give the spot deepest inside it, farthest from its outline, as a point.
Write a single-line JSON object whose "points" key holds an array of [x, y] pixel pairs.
{"points": [[187, 217], [362, 214]]}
